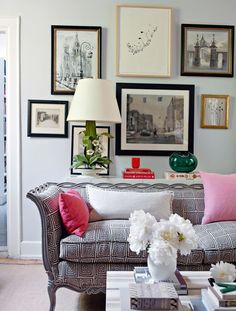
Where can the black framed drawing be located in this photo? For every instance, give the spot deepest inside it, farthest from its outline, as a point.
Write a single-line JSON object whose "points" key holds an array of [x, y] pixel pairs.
{"points": [[77, 147], [157, 119], [207, 50], [47, 118], [76, 54]]}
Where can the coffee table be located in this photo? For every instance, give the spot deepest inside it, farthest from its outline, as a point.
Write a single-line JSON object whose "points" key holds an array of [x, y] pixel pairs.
{"points": [[117, 280]]}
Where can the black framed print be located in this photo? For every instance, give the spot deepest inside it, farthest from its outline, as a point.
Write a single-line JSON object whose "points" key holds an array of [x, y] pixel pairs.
{"points": [[157, 119], [76, 54], [47, 118], [77, 146], [207, 50]]}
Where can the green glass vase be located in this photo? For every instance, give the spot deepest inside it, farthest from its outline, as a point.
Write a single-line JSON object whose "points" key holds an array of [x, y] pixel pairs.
{"points": [[183, 162]]}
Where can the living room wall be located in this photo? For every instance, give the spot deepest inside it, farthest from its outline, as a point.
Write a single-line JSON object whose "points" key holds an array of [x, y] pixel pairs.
{"points": [[48, 159]]}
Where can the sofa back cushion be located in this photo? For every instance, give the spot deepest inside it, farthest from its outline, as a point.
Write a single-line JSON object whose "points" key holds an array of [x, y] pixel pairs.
{"points": [[119, 204]]}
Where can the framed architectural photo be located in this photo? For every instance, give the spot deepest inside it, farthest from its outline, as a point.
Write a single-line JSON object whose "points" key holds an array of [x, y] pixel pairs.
{"points": [[215, 111], [76, 54], [207, 50], [77, 147], [143, 41], [157, 119], [47, 118]]}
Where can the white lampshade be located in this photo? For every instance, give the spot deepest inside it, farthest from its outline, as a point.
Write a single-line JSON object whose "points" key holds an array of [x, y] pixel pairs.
{"points": [[94, 100]]}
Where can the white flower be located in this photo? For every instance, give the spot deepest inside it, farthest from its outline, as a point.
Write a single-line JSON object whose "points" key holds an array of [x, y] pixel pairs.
{"points": [[223, 272], [95, 142], [90, 152], [165, 231], [187, 238], [140, 230], [161, 251]]}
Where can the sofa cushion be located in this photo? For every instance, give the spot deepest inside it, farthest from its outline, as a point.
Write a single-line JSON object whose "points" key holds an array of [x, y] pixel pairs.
{"points": [[104, 241], [218, 239], [220, 197], [117, 204]]}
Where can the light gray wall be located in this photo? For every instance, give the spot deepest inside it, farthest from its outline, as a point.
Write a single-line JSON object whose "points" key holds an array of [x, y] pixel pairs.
{"points": [[48, 159]]}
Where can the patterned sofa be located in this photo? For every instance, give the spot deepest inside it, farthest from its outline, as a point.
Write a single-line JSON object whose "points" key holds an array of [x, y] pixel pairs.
{"points": [[80, 263]]}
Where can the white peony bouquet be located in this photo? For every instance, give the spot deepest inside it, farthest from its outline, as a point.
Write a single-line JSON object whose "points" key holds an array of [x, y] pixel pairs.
{"points": [[161, 239]]}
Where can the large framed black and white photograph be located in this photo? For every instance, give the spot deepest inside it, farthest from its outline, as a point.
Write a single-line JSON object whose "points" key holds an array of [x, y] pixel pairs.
{"points": [[78, 148], [47, 118], [76, 54], [157, 119], [207, 50]]}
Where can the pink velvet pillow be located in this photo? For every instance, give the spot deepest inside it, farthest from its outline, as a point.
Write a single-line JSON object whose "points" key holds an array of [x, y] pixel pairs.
{"points": [[220, 197], [74, 212]]}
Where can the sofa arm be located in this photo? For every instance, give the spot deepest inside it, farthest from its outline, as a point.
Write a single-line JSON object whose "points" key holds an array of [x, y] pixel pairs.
{"points": [[46, 198]]}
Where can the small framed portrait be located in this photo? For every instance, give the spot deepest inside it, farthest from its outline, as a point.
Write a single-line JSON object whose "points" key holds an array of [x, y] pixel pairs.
{"points": [[157, 119], [78, 148], [215, 111], [76, 54], [143, 41], [207, 50], [47, 118]]}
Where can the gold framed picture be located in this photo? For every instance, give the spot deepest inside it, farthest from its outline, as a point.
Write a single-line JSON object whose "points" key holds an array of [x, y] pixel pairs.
{"points": [[215, 111]]}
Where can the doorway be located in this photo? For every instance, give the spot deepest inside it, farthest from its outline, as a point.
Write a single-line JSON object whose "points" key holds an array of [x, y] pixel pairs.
{"points": [[3, 143]]}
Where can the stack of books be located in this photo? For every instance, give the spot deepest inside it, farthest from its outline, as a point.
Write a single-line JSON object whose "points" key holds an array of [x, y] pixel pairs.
{"points": [[138, 173], [160, 296], [220, 298], [142, 275], [182, 176]]}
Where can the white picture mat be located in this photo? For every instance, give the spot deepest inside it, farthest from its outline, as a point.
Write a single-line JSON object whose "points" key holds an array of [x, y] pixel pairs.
{"points": [[49, 127], [155, 57]]}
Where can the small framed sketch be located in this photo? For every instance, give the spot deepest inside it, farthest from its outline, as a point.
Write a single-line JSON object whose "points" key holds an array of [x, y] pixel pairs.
{"points": [[47, 118], [207, 50], [77, 147], [143, 41], [215, 111], [76, 54], [157, 119]]}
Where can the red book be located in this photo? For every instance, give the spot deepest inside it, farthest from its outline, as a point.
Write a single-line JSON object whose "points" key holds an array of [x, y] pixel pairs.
{"points": [[147, 175], [137, 170]]}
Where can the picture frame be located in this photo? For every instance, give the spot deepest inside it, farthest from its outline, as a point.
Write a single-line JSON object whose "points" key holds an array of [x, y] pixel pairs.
{"points": [[77, 148], [157, 119], [207, 50], [47, 118], [143, 41], [76, 54], [215, 111]]}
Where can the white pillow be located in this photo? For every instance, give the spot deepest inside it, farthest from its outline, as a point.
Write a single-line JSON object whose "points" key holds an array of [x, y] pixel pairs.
{"points": [[118, 204]]}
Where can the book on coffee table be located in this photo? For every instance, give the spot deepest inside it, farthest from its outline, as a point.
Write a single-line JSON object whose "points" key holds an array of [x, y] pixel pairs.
{"points": [[142, 275]]}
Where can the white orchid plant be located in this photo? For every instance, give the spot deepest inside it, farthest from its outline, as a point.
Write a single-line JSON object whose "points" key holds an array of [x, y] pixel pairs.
{"points": [[162, 239]]}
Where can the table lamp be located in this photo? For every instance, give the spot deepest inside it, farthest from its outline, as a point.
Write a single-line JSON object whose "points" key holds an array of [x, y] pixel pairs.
{"points": [[94, 101]]}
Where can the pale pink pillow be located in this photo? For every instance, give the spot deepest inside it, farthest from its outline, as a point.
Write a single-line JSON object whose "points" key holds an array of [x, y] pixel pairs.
{"points": [[220, 197], [74, 212]]}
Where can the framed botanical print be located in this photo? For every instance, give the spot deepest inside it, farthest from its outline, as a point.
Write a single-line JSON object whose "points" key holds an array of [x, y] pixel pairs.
{"points": [[207, 50], [47, 118], [77, 147], [76, 54], [215, 111], [157, 119], [143, 41]]}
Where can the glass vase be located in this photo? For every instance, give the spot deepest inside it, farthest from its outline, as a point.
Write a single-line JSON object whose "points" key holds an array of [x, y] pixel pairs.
{"points": [[183, 162]]}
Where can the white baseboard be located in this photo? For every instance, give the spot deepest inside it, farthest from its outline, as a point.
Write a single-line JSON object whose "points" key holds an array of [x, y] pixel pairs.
{"points": [[31, 250]]}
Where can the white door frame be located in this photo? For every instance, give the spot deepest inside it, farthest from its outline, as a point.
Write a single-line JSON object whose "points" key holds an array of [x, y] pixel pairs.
{"points": [[11, 26]]}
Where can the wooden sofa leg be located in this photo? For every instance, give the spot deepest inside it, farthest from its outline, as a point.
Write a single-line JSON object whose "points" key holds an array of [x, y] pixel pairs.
{"points": [[52, 294]]}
